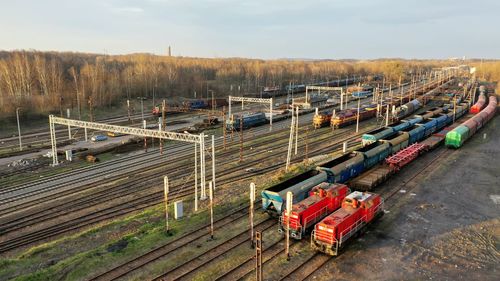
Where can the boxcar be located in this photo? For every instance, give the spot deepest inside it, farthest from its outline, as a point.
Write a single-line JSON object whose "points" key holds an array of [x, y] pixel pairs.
{"points": [[376, 134], [413, 120], [397, 141], [374, 153], [274, 197], [344, 167]]}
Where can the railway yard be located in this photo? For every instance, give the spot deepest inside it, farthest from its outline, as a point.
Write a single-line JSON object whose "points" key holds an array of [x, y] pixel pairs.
{"points": [[377, 182]]}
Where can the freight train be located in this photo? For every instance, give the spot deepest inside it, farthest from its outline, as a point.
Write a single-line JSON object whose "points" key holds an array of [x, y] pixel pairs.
{"points": [[248, 120], [195, 104], [457, 137], [350, 165]]}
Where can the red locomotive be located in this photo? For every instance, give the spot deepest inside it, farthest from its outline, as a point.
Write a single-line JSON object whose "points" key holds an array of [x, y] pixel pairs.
{"points": [[323, 199], [358, 210]]}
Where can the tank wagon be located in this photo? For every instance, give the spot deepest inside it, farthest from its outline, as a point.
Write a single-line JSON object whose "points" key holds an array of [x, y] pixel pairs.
{"points": [[323, 199], [249, 120], [456, 137], [274, 197], [358, 210]]}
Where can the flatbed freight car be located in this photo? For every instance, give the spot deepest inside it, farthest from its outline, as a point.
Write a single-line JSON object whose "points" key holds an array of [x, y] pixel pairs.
{"points": [[358, 210], [323, 199]]}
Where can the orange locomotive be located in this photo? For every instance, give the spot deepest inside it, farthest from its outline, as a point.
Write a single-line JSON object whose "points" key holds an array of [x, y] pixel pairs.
{"points": [[349, 116], [323, 199], [358, 210]]}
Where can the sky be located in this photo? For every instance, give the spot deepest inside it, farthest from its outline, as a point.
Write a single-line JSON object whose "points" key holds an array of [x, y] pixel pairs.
{"points": [[267, 29]]}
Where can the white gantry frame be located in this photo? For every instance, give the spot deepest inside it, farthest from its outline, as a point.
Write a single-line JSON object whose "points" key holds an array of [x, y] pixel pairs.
{"points": [[198, 140], [254, 100], [323, 88]]}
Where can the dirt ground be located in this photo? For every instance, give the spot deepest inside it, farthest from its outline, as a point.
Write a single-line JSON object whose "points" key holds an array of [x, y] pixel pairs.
{"points": [[446, 226]]}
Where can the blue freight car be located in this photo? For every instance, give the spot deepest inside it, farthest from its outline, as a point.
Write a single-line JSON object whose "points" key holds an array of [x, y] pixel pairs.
{"points": [[413, 120], [344, 167], [442, 120], [249, 120], [274, 197], [400, 125], [376, 134], [374, 153], [429, 125], [362, 94], [416, 133]]}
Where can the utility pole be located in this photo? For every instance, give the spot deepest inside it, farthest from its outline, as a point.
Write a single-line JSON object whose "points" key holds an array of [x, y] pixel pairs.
{"points": [[164, 124], [19, 130], [128, 110], [165, 192], [241, 139], [213, 161], [69, 127], [332, 120], [307, 143], [142, 108], [289, 203], [290, 141], [357, 117], [387, 116], [196, 177], [211, 195], [145, 138], [91, 109], [224, 126], [252, 200], [296, 130]]}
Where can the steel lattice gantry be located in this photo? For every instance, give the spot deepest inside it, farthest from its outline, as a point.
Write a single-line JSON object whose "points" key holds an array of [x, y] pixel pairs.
{"points": [[198, 140], [254, 100]]}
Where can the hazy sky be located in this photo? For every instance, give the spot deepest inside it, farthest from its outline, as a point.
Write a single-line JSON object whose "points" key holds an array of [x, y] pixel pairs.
{"points": [[256, 28]]}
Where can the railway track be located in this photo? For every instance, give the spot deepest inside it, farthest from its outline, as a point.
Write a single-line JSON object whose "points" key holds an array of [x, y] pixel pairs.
{"points": [[109, 213], [141, 202], [183, 270]]}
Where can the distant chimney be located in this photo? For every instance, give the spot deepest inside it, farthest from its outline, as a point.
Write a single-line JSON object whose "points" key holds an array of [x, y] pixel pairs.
{"points": [[169, 51]]}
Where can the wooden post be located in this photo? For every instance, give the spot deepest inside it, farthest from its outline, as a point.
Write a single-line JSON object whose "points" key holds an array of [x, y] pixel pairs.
{"points": [[211, 195], [165, 192], [258, 256], [252, 200]]}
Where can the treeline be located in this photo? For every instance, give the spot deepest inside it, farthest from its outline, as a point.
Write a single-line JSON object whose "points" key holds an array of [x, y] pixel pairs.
{"points": [[42, 82]]}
